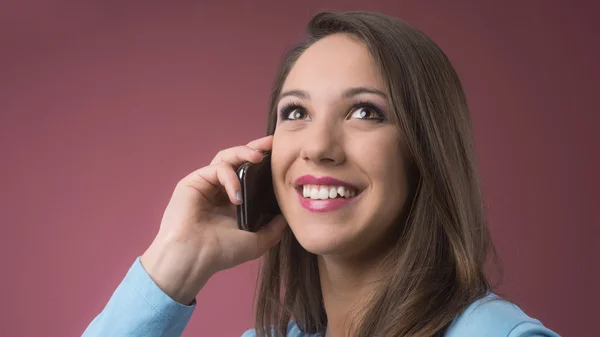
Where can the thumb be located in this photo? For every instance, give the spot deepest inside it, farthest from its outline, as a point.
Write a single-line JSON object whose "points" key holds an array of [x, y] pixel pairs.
{"points": [[270, 234]]}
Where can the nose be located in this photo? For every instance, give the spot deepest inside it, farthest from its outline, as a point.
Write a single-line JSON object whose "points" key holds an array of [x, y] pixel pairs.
{"points": [[323, 144]]}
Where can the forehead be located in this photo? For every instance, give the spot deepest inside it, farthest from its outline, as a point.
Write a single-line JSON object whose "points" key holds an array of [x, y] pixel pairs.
{"points": [[334, 63]]}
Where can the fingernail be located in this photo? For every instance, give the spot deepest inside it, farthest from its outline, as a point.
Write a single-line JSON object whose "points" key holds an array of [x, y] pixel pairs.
{"points": [[238, 195]]}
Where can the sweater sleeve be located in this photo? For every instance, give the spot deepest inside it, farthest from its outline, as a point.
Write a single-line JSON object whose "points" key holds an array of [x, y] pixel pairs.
{"points": [[138, 307]]}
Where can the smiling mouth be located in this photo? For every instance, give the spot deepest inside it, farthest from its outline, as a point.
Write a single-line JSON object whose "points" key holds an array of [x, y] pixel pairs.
{"points": [[324, 192]]}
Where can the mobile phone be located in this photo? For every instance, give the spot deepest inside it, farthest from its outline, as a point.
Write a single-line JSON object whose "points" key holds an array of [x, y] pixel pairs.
{"points": [[259, 204]]}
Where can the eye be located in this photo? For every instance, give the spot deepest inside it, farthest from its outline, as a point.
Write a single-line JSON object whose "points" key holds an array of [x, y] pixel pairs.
{"points": [[294, 112], [367, 111], [298, 114]]}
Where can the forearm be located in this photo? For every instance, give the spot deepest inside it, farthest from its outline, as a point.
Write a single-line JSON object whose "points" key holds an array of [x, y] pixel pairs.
{"points": [[139, 307]]}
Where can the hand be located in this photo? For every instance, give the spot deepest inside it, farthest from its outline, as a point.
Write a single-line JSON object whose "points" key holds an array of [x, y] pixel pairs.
{"points": [[198, 235]]}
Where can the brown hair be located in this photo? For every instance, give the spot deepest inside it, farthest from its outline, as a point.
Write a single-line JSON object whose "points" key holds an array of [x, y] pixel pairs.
{"points": [[437, 263]]}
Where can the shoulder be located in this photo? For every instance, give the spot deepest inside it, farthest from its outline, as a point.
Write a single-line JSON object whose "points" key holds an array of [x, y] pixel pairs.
{"points": [[494, 317], [292, 331], [490, 316]]}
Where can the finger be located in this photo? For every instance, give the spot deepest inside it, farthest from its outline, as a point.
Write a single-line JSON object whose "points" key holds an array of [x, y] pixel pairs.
{"points": [[252, 245], [262, 144], [270, 234], [210, 180], [229, 179], [237, 156]]}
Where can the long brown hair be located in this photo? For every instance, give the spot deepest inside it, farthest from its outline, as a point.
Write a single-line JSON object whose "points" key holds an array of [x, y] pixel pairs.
{"points": [[437, 264]]}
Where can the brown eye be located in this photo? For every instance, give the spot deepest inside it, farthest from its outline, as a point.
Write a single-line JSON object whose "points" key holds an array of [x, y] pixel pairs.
{"points": [[363, 113], [294, 112], [367, 112], [298, 114]]}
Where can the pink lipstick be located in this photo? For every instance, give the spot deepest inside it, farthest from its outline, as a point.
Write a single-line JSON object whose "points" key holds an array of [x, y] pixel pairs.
{"points": [[324, 194]]}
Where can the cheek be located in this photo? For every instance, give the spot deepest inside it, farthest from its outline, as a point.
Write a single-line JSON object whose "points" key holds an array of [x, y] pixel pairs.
{"points": [[282, 156], [384, 164], [396, 187], [277, 160], [380, 155]]}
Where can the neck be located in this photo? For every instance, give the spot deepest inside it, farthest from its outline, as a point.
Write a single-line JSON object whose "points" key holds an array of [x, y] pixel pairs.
{"points": [[347, 285]]}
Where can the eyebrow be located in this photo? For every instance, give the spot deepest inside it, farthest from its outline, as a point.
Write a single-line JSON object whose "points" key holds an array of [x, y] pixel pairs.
{"points": [[348, 93]]}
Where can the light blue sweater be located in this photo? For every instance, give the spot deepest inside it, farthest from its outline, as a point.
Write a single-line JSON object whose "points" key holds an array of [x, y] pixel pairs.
{"points": [[140, 308]]}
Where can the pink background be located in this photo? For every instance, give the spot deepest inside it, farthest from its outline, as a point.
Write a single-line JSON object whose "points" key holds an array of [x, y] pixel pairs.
{"points": [[104, 105]]}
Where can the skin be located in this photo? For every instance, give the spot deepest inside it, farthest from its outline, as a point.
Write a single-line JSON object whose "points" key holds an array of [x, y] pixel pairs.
{"points": [[198, 235], [332, 136]]}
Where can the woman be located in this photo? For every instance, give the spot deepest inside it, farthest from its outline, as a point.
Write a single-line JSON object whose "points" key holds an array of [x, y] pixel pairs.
{"points": [[373, 165]]}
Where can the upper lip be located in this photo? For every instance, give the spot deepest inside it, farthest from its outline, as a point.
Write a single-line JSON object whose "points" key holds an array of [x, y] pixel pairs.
{"points": [[322, 180]]}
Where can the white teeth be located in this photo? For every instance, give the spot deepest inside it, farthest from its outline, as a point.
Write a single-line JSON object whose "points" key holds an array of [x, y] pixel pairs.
{"points": [[314, 192], [322, 192], [341, 191]]}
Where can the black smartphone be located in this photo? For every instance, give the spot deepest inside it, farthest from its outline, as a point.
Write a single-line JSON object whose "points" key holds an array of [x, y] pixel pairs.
{"points": [[259, 204]]}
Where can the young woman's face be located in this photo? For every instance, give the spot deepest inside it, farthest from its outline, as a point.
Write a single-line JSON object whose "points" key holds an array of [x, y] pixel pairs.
{"points": [[338, 157]]}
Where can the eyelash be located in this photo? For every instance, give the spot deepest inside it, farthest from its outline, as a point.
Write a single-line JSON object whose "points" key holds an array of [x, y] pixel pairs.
{"points": [[289, 107], [285, 110]]}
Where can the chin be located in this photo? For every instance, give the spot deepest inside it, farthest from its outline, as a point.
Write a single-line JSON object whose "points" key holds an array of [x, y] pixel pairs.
{"points": [[324, 238]]}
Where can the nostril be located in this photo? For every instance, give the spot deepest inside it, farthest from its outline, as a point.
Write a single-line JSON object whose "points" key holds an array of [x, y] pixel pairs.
{"points": [[323, 154]]}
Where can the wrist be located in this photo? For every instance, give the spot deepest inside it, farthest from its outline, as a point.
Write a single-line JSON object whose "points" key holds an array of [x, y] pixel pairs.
{"points": [[177, 270]]}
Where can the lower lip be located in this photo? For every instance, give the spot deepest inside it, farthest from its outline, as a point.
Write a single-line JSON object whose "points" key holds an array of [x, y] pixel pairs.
{"points": [[326, 205]]}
